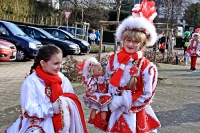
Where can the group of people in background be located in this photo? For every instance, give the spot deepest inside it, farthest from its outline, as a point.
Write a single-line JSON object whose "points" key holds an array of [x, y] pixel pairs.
{"points": [[163, 41], [94, 37], [190, 45]]}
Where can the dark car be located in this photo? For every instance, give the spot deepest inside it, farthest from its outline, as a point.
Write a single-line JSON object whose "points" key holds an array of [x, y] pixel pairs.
{"points": [[61, 34], [79, 32], [71, 30], [67, 47], [26, 47]]}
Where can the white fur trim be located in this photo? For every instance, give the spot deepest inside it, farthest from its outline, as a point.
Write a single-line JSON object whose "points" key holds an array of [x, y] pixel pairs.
{"points": [[85, 68], [65, 115], [195, 34], [139, 23]]}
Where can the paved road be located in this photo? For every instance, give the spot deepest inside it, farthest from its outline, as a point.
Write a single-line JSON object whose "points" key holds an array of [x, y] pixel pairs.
{"points": [[176, 102]]}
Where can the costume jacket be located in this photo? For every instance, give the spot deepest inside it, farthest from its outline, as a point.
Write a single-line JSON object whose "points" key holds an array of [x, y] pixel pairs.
{"points": [[136, 114], [37, 111], [97, 92], [193, 48]]}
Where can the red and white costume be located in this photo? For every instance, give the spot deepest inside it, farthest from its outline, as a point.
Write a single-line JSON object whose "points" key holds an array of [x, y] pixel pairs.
{"points": [[97, 96], [136, 115], [130, 110], [193, 51], [37, 112]]}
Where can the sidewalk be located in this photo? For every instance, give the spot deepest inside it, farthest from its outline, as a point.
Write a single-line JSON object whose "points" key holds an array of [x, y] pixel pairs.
{"points": [[176, 102]]}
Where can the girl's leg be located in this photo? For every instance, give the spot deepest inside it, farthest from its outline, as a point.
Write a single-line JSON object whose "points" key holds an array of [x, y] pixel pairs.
{"points": [[193, 62], [103, 118], [103, 115], [92, 115]]}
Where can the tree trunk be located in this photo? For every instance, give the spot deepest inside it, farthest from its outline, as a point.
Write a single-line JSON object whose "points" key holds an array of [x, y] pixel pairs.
{"points": [[118, 9]]}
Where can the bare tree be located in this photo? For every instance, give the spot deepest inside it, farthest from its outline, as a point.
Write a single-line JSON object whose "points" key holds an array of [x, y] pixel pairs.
{"points": [[170, 11]]}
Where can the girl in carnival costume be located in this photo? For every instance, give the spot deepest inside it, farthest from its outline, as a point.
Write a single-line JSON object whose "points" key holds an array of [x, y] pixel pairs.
{"points": [[133, 81], [193, 50], [48, 103]]}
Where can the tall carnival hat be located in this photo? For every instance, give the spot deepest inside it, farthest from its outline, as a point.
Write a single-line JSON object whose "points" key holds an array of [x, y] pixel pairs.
{"points": [[141, 20]]}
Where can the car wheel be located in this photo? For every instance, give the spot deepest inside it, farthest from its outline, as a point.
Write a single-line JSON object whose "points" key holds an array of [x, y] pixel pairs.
{"points": [[21, 55]]}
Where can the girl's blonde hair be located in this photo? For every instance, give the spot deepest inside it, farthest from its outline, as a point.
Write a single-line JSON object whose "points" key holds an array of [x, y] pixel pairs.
{"points": [[91, 73], [139, 36]]}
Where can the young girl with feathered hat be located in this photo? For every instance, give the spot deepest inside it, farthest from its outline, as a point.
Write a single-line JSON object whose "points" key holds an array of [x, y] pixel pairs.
{"points": [[133, 81]]}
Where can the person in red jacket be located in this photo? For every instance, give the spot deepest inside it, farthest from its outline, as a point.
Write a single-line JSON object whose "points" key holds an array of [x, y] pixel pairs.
{"points": [[193, 50], [133, 81]]}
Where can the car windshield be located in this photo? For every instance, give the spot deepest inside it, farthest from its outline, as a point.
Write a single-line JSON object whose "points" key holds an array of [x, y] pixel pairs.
{"points": [[14, 29], [48, 35], [70, 35], [79, 31]]}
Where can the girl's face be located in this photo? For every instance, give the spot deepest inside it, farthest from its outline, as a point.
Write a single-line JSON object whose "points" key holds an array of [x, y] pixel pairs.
{"points": [[52, 66], [131, 45], [196, 37], [97, 71]]}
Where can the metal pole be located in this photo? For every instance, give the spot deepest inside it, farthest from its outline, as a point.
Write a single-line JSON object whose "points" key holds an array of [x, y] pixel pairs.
{"points": [[115, 46], [67, 24], [101, 40]]}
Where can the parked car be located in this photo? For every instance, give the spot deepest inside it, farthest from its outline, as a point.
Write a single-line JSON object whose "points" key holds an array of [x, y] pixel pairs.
{"points": [[79, 32], [26, 46], [61, 34], [71, 30], [7, 51], [46, 38]]}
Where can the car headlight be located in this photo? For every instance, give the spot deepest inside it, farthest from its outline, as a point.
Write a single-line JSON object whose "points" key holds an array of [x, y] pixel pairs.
{"points": [[73, 46], [32, 45], [3, 46]]}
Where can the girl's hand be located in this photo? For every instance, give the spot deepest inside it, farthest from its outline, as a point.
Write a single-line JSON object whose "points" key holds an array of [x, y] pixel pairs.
{"points": [[116, 103]]}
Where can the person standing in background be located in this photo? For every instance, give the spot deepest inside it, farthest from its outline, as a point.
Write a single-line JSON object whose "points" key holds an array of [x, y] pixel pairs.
{"points": [[97, 36], [186, 40], [92, 37], [173, 41], [193, 50], [161, 44]]}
